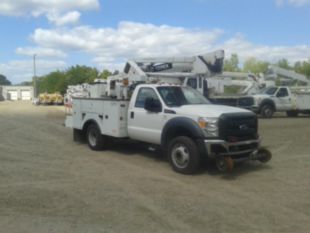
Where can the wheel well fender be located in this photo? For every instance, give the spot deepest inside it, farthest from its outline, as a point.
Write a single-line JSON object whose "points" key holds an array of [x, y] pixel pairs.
{"points": [[180, 126], [88, 123]]}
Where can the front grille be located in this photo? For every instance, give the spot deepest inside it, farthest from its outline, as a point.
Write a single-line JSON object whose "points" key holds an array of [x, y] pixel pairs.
{"points": [[246, 147], [245, 101], [236, 127]]}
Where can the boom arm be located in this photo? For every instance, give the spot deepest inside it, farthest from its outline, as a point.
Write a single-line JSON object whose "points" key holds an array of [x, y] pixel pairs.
{"points": [[174, 67], [274, 70]]}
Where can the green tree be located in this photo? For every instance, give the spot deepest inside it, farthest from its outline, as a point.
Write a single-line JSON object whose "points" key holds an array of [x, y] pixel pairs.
{"points": [[232, 64], [53, 82], [303, 67], [58, 81], [105, 74], [81, 74], [283, 63], [4, 81], [255, 66]]}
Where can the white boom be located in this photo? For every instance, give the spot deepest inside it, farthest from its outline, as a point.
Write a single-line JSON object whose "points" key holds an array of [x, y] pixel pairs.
{"points": [[248, 82], [147, 69], [174, 70], [274, 71]]}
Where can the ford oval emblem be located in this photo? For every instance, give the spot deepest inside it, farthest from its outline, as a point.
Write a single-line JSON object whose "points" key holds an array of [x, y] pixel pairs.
{"points": [[243, 127]]}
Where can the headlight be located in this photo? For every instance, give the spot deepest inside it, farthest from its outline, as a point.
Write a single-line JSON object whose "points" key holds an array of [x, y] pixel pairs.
{"points": [[209, 126]]}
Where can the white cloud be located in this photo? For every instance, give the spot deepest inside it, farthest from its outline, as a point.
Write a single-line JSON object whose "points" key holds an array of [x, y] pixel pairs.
{"points": [[41, 52], [129, 39], [246, 49], [111, 47], [297, 3], [18, 71], [58, 12], [38, 7], [71, 17]]}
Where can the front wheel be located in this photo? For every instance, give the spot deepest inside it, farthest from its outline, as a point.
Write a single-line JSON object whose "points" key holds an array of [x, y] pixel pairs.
{"points": [[267, 111], [184, 156], [95, 139]]}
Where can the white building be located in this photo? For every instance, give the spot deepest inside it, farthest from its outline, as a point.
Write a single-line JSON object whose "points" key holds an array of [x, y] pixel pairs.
{"points": [[16, 93]]}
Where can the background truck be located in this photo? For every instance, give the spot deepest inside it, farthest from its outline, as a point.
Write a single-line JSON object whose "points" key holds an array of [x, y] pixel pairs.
{"points": [[292, 100], [177, 118]]}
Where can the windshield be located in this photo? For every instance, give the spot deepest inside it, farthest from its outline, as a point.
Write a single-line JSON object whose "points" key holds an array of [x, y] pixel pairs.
{"points": [[270, 90], [177, 96]]}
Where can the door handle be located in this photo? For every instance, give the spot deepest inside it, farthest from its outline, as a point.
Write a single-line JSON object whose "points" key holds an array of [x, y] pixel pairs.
{"points": [[132, 115]]}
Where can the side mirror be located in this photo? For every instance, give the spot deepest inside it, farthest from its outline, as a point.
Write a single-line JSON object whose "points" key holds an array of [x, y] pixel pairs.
{"points": [[152, 105]]}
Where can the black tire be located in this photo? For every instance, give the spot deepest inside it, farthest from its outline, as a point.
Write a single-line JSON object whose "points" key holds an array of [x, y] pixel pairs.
{"points": [[267, 111], [95, 140], [183, 155], [292, 113]]}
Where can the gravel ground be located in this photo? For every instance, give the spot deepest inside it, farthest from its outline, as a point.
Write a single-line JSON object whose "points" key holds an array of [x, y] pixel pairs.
{"points": [[48, 183]]}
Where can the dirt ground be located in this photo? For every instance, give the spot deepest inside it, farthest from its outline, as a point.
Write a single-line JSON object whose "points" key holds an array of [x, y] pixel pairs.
{"points": [[48, 183]]}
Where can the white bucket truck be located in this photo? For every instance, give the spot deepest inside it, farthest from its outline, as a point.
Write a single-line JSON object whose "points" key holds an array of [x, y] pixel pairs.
{"points": [[155, 108], [292, 100]]}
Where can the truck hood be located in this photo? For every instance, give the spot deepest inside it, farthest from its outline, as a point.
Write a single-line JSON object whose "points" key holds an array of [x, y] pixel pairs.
{"points": [[261, 96], [207, 110]]}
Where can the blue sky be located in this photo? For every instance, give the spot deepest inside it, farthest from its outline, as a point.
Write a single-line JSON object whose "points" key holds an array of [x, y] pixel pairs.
{"points": [[104, 34]]}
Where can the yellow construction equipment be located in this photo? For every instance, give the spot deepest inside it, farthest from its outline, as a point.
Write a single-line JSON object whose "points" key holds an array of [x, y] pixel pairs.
{"points": [[48, 99]]}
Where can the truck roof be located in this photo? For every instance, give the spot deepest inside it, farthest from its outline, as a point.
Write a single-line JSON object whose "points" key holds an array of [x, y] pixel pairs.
{"points": [[159, 85]]}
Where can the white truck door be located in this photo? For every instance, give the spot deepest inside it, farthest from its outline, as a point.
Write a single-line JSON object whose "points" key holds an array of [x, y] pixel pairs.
{"points": [[283, 99], [144, 125]]}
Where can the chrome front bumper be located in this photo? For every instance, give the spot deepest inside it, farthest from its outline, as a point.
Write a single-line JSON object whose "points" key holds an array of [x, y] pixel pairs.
{"points": [[231, 148]]}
